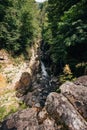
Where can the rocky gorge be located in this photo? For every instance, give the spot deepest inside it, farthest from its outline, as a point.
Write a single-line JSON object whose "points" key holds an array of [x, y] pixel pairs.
{"points": [[47, 109]]}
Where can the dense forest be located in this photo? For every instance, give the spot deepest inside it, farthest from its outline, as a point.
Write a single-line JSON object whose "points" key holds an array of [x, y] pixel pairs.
{"points": [[65, 31], [19, 26], [62, 26], [43, 65]]}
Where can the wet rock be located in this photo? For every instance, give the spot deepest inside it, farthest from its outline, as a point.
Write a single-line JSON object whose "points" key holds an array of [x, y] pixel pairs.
{"points": [[35, 86], [32, 98], [38, 76], [38, 93]]}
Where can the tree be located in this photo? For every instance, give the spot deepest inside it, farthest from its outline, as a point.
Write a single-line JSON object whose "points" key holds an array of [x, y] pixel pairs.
{"points": [[19, 24], [67, 21]]}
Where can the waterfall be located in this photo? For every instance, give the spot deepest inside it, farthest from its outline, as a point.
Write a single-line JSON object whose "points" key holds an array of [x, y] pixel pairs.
{"points": [[44, 72]]}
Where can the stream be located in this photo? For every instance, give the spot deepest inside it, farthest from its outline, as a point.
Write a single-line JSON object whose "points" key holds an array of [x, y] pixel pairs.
{"points": [[44, 72], [42, 85], [60, 111]]}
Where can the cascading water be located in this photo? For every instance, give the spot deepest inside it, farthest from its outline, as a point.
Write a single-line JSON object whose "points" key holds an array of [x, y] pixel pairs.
{"points": [[43, 68], [45, 76], [42, 84]]}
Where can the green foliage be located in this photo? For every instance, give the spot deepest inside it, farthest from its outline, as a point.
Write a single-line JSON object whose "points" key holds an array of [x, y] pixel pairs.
{"points": [[58, 90], [9, 104], [66, 75], [2, 113], [22, 105], [46, 30], [67, 22], [19, 24], [63, 78]]}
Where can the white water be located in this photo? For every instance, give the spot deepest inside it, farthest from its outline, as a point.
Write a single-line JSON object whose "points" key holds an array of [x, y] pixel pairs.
{"points": [[44, 72]]}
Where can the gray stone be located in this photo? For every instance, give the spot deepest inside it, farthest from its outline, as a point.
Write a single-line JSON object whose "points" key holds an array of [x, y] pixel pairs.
{"points": [[77, 95], [81, 81], [28, 120], [24, 84], [70, 106]]}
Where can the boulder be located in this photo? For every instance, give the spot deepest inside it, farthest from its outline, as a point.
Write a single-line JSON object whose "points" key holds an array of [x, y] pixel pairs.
{"points": [[42, 115], [77, 96], [60, 109], [28, 120], [70, 106], [82, 80], [21, 120], [24, 84]]}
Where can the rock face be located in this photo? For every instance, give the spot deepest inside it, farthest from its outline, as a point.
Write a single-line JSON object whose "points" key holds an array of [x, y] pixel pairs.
{"points": [[41, 87], [77, 96], [24, 84], [61, 111], [28, 120], [69, 107]]}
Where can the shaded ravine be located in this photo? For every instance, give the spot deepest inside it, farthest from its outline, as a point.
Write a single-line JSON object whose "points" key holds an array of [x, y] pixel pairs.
{"points": [[42, 85], [36, 117], [49, 110]]}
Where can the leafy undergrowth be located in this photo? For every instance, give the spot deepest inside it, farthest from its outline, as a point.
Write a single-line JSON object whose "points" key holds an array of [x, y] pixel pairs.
{"points": [[63, 78], [9, 103], [67, 75]]}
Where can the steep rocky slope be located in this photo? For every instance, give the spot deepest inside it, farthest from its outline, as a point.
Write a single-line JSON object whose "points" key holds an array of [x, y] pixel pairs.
{"points": [[46, 109], [10, 73]]}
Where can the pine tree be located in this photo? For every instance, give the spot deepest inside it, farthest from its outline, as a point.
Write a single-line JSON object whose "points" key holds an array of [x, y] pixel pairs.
{"points": [[19, 24]]}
